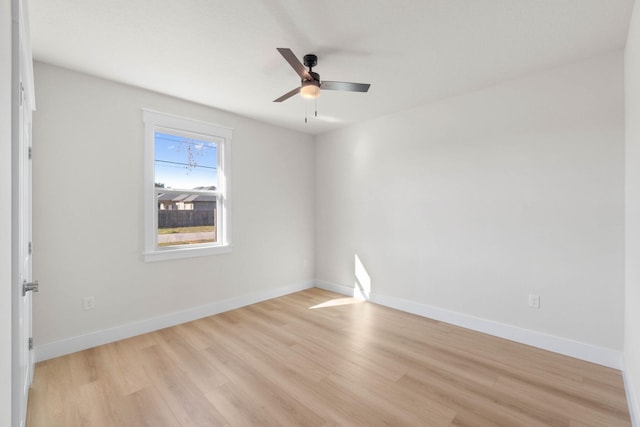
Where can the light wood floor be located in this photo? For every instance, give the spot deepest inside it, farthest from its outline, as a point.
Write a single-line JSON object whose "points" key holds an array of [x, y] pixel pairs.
{"points": [[298, 360]]}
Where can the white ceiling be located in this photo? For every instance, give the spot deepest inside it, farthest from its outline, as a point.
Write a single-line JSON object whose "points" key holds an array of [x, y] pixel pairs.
{"points": [[223, 53]]}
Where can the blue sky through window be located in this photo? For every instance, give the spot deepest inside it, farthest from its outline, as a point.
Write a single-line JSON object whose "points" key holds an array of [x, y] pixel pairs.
{"points": [[185, 163]]}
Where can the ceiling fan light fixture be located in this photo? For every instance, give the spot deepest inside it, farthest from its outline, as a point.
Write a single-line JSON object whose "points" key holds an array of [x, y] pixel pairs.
{"points": [[310, 89]]}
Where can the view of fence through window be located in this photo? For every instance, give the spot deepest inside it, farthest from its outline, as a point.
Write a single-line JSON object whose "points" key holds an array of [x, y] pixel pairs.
{"points": [[186, 180]]}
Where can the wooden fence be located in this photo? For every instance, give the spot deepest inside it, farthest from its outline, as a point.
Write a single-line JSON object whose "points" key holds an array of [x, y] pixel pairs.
{"points": [[186, 218]]}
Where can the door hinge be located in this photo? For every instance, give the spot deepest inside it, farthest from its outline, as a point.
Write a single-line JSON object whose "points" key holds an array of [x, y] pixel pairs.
{"points": [[21, 93], [29, 286], [30, 153], [30, 248], [30, 343]]}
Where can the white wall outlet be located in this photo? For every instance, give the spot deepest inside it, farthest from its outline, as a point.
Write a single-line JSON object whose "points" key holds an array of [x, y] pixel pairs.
{"points": [[89, 303], [534, 301]]}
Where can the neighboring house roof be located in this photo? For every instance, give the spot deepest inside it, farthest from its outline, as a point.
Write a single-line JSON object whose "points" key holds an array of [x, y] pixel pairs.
{"points": [[188, 198]]}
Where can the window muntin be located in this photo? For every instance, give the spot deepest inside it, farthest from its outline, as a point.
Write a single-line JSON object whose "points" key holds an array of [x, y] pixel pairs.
{"points": [[187, 203]]}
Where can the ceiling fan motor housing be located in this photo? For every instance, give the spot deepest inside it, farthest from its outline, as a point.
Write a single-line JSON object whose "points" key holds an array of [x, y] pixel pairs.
{"points": [[315, 77]]}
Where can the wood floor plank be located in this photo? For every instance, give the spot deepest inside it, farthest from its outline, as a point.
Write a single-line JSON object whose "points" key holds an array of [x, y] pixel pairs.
{"points": [[235, 405], [315, 358], [153, 409], [270, 400], [181, 395]]}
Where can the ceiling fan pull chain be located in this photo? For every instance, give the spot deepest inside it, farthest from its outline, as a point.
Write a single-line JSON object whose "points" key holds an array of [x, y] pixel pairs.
{"points": [[316, 114], [305, 112]]}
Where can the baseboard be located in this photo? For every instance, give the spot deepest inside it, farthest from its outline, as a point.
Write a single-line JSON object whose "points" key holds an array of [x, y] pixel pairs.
{"points": [[590, 353], [93, 339], [632, 398], [579, 350], [337, 288]]}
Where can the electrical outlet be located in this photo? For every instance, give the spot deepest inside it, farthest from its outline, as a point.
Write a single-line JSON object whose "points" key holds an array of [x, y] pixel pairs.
{"points": [[534, 301], [89, 303]]}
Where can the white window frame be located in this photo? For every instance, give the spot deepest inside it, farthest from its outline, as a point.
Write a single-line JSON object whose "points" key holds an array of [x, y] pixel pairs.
{"points": [[153, 122]]}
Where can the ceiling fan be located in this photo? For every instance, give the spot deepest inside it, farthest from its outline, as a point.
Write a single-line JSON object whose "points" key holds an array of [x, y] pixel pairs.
{"points": [[311, 83]]}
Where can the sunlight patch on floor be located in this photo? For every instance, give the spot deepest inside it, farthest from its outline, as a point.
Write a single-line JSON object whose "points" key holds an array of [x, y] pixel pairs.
{"points": [[336, 302]]}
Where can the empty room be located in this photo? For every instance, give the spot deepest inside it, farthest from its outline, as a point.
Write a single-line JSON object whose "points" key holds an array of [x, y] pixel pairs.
{"points": [[340, 213]]}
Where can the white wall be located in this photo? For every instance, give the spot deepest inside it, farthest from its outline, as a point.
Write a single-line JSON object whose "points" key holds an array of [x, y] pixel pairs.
{"points": [[632, 111], [88, 210], [5, 212], [472, 203]]}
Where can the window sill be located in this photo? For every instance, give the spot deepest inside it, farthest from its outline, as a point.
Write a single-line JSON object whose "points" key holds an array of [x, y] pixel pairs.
{"points": [[179, 253]]}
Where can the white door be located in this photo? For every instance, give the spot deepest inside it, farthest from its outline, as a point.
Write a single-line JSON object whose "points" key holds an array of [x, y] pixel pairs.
{"points": [[23, 360], [24, 255]]}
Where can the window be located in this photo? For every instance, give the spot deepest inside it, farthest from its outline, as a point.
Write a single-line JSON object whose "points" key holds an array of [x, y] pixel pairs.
{"points": [[187, 200]]}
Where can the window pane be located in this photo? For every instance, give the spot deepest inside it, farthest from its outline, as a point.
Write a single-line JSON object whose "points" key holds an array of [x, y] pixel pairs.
{"points": [[187, 163], [185, 219]]}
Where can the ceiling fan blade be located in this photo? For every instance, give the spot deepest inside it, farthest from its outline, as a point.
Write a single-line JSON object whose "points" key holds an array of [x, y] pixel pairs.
{"points": [[294, 62], [351, 87], [287, 95]]}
